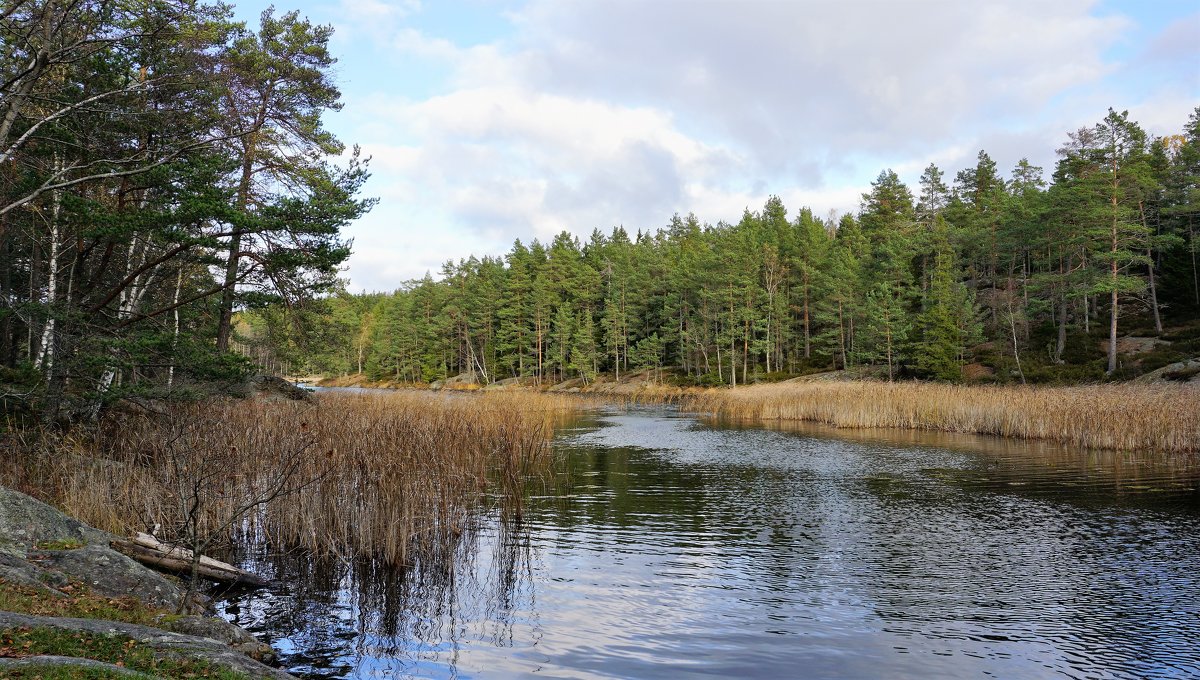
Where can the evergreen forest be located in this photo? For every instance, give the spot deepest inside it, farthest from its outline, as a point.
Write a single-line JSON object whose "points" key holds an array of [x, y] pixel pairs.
{"points": [[161, 167], [173, 213], [1026, 276]]}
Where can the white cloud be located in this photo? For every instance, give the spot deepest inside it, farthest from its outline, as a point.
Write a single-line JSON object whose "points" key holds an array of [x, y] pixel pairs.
{"points": [[373, 19], [595, 113], [781, 77]]}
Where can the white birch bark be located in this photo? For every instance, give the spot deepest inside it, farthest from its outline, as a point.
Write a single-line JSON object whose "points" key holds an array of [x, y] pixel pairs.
{"points": [[45, 357]]}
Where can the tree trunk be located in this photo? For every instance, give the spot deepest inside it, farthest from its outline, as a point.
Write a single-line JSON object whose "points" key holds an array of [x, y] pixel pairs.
{"points": [[1195, 271], [720, 368], [147, 550], [1158, 327], [745, 349], [1061, 344], [850, 333], [1113, 277], [175, 334], [768, 352], [732, 341], [841, 335], [888, 335], [225, 323], [1025, 267], [733, 360], [1112, 334], [45, 357], [1012, 326], [807, 340]]}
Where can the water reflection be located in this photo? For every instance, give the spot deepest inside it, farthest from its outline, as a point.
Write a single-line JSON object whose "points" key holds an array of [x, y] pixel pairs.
{"points": [[332, 618], [672, 548]]}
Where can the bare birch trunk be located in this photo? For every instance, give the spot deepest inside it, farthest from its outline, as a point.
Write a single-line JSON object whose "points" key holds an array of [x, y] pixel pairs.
{"points": [[45, 357]]}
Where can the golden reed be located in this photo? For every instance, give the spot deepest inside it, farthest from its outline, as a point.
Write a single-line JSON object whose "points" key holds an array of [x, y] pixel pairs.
{"points": [[1162, 418], [393, 476]]}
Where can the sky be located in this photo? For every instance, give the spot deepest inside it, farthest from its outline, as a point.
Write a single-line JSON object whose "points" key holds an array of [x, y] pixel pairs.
{"points": [[493, 120]]}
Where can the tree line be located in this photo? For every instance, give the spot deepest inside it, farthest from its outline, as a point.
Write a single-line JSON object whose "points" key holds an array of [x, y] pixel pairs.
{"points": [[161, 166], [1019, 278]]}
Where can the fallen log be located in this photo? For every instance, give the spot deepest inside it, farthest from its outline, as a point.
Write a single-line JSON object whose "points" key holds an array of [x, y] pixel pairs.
{"points": [[150, 551], [149, 541]]}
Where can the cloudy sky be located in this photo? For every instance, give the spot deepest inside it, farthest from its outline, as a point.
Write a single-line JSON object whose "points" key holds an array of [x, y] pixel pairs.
{"points": [[490, 120]]}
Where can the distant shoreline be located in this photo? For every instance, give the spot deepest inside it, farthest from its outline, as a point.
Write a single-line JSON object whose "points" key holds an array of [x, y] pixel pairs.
{"points": [[1152, 417]]}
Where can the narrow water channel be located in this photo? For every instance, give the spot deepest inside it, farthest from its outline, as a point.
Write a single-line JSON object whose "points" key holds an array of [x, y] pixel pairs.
{"points": [[673, 548]]}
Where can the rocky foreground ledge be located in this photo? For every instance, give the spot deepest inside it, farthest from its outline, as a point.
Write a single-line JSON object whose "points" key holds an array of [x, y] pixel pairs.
{"points": [[69, 601]]}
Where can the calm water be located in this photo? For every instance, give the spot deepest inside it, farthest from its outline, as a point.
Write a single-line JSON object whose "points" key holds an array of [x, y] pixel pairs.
{"points": [[670, 548]]}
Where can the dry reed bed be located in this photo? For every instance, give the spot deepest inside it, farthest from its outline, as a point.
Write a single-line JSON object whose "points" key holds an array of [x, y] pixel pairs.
{"points": [[411, 470], [393, 476], [1162, 418]]}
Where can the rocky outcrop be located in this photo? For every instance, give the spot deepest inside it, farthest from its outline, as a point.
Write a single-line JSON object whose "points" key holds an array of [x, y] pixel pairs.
{"points": [[234, 637], [26, 522], [271, 387], [462, 381], [1179, 372], [39, 544], [110, 573], [1133, 344], [45, 550], [31, 664], [511, 384], [572, 385]]}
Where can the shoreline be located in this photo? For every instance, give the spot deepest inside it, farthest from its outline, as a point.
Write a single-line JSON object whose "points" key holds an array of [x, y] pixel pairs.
{"points": [[1161, 417]]}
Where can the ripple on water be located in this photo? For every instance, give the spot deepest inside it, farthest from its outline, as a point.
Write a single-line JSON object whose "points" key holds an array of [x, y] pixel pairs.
{"points": [[679, 549]]}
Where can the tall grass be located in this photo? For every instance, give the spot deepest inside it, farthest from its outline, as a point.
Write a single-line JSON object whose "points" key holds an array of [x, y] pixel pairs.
{"points": [[1163, 418], [393, 476]]}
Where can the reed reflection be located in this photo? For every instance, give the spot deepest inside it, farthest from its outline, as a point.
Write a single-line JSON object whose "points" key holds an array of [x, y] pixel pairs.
{"points": [[330, 617]]}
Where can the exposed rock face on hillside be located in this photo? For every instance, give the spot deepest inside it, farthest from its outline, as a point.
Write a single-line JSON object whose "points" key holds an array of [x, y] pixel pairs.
{"points": [[511, 384], [1178, 372], [46, 551]]}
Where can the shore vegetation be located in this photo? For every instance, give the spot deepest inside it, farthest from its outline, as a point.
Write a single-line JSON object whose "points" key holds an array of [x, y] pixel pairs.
{"points": [[396, 476], [1154, 418]]}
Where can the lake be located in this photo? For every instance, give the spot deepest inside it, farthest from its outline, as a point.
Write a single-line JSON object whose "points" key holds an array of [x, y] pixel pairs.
{"points": [[670, 547]]}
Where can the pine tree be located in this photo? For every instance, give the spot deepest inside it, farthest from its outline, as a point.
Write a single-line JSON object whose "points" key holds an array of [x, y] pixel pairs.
{"points": [[1108, 169], [279, 86], [945, 325], [840, 287], [584, 354]]}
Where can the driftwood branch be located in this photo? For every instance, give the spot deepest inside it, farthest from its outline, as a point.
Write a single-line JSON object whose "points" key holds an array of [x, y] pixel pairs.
{"points": [[150, 551]]}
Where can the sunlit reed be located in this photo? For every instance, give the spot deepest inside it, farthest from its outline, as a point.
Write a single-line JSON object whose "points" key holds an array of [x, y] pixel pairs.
{"points": [[1163, 418], [394, 476]]}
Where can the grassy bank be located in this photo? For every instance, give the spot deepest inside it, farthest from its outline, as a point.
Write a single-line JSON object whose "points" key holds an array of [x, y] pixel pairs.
{"points": [[122, 652], [76, 601], [1162, 418], [395, 476]]}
